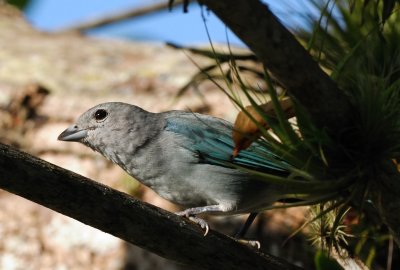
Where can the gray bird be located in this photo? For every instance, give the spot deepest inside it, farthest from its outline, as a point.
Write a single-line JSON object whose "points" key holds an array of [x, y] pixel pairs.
{"points": [[185, 157]]}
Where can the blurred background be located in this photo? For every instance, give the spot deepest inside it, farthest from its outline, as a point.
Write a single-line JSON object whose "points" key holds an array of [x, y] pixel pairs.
{"points": [[159, 26], [56, 62]]}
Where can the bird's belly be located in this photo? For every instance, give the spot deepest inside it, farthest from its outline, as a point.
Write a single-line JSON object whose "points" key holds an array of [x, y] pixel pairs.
{"points": [[172, 187], [184, 198], [178, 178]]}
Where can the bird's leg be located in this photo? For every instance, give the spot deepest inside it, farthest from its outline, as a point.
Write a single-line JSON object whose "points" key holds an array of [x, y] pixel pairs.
{"points": [[191, 213], [243, 230]]}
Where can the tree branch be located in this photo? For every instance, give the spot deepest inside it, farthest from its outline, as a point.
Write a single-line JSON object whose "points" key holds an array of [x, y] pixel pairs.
{"points": [[111, 211], [117, 17], [283, 55]]}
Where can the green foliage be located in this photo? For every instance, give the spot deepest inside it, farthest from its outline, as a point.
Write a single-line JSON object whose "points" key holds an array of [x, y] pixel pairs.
{"points": [[362, 54], [343, 41], [327, 229], [382, 7]]}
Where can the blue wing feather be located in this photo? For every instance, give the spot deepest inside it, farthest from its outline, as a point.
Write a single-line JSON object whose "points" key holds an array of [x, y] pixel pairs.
{"points": [[211, 140]]}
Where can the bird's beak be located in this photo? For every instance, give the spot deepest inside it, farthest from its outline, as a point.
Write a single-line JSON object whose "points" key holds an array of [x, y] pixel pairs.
{"points": [[72, 134]]}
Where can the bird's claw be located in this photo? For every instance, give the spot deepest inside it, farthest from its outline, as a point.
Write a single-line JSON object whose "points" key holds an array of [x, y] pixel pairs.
{"points": [[251, 243], [201, 222]]}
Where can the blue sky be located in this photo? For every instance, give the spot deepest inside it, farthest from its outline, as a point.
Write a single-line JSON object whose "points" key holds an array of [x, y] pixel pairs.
{"points": [[175, 26]]}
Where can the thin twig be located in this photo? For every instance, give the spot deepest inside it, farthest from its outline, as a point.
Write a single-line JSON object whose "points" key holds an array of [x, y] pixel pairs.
{"points": [[117, 17]]}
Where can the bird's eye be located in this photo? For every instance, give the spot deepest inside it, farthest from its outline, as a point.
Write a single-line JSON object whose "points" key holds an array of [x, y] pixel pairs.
{"points": [[100, 115]]}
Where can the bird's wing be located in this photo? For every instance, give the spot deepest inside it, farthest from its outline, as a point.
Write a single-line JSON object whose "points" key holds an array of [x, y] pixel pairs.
{"points": [[210, 139]]}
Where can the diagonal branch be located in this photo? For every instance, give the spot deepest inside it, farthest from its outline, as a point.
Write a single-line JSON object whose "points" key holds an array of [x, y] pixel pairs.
{"points": [[116, 213], [282, 54], [117, 17]]}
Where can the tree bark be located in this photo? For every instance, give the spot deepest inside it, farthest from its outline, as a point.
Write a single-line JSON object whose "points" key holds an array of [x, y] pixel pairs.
{"points": [[116, 213]]}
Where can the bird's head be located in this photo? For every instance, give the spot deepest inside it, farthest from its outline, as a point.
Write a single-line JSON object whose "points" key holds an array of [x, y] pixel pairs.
{"points": [[89, 124], [114, 129], [102, 124]]}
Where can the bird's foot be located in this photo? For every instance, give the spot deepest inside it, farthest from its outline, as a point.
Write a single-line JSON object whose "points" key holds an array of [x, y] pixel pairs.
{"points": [[250, 243], [201, 222]]}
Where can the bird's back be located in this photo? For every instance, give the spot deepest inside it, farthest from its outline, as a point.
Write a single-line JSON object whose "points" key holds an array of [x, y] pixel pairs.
{"points": [[195, 166]]}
